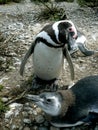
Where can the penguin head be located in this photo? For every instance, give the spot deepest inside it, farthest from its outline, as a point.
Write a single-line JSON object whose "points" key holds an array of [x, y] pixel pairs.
{"points": [[69, 27], [49, 102]]}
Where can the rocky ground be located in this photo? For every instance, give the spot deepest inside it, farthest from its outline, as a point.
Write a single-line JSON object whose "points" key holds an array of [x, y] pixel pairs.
{"points": [[18, 27]]}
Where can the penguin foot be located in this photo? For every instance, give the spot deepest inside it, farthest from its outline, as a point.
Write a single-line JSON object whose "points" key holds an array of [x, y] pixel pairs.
{"points": [[53, 87], [39, 84]]}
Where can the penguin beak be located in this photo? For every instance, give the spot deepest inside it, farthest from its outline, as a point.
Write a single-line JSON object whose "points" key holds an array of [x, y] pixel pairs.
{"points": [[73, 32], [34, 98]]}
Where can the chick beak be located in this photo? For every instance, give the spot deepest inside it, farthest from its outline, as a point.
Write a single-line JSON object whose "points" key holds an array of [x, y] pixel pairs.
{"points": [[33, 98]]}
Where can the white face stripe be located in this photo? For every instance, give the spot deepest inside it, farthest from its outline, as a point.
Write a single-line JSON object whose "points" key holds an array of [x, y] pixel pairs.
{"points": [[45, 36], [56, 31]]}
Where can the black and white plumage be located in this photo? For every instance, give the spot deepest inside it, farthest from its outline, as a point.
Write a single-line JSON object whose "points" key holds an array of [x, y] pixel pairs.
{"points": [[49, 49], [72, 107]]}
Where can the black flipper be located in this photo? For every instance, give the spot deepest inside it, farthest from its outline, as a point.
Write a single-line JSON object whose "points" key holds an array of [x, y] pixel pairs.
{"points": [[27, 55], [68, 57], [91, 119]]}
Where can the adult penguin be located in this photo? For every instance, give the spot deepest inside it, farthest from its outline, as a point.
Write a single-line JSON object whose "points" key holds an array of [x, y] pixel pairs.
{"points": [[49, 49]]}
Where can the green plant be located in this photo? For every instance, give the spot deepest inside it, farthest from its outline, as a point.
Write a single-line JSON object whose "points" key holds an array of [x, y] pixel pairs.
{"points": [[89, 3], [7, 1], [1, 87], [3, 108], [39, 0], [3, 1], [51, 11], [64, 0]]}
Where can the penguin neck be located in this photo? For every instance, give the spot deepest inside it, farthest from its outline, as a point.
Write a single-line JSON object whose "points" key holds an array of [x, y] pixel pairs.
{"points": [[68, 99]]}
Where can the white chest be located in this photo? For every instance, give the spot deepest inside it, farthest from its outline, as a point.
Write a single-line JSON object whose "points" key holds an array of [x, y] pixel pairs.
{"points": [[47, 61]]}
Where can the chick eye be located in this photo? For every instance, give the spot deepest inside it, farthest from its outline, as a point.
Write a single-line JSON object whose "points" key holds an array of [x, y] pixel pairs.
{"points": [[48, 100]]}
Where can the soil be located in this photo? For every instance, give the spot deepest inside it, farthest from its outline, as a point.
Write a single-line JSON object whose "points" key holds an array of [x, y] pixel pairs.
{"points": [[18, 28]]}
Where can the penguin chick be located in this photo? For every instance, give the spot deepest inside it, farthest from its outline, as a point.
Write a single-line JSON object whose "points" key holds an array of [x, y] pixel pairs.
{"points": [[72, 107], [79, 44], [47, 49]]}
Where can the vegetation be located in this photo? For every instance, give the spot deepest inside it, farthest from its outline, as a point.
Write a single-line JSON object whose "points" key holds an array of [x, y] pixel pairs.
{"points": [[64, 0], [39, 0], [7, 1], [3, 108], [1, 87], [50, 11], [89, 3]]}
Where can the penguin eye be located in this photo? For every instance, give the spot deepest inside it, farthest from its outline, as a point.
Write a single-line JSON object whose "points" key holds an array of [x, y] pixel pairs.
{"points": [[70, 29]]}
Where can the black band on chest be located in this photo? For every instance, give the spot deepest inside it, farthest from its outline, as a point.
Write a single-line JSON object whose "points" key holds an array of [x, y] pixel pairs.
{"points": [[40, 39]]}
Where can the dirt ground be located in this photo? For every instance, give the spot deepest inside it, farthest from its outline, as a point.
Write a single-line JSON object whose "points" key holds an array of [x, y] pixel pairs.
{"points": [[17, 21]]}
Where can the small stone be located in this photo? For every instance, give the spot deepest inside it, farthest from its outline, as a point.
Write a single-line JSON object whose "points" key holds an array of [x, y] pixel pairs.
{"points": [[35, 112], [25, 114], [39, 119], [46, 123], [26, 104], [35, 128], [26, 128], [42, 128], [27, 121], [54, 128], [38, 110], [4, 99]]}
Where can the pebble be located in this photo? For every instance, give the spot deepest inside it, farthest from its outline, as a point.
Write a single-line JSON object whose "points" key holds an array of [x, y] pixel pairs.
{"points": [[42, 128], [27, 121], [39, 119], [26, 128], [54, 128], [24, 34], [35, 128], [25, 114], [4, 99]]}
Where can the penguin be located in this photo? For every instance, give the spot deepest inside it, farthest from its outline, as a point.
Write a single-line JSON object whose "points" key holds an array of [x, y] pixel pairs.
{"points": [[71, 107], [49, 49], [79, 44]]}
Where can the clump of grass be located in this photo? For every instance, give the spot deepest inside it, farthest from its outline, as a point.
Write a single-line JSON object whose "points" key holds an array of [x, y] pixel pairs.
{"points": [[89, 3], [1, 87], [51, 11], [7, 1], [3, 108], [64, 0]]}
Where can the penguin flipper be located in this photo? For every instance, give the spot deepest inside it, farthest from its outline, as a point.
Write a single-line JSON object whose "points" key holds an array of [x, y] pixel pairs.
{"points": [[91, 119], [68, 57], [64, 124], [27, 55], [84, 50]]}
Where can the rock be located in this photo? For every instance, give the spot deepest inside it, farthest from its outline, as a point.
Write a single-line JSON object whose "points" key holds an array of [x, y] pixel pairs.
{"points": [[46, 123], [25, 114], [35, 128], [42, 128], [26, 128], [27, 121], [4, 99], [54, 128], [39, 119]]}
